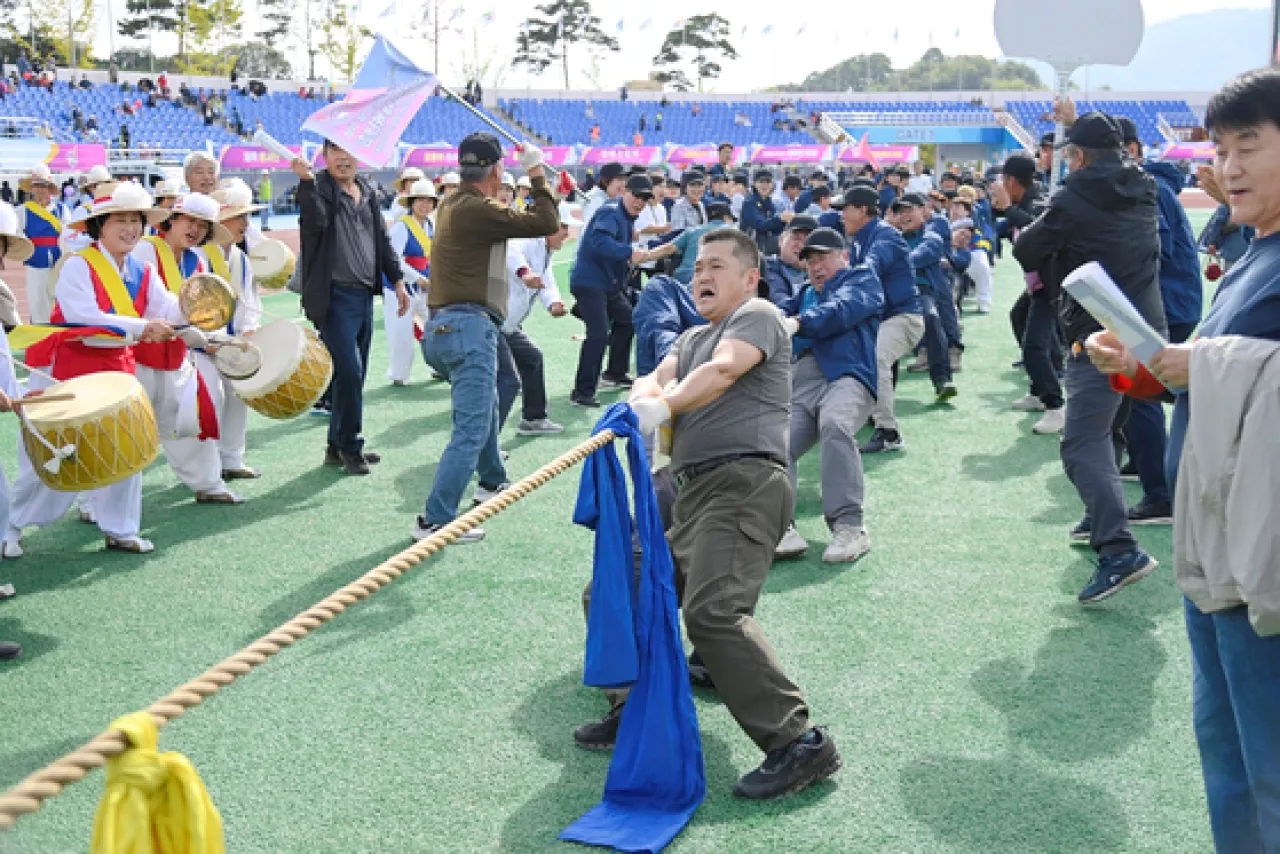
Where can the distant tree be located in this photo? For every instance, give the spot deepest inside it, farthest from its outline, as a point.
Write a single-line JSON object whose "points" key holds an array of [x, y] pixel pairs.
{"points": [[695, 43], [341, 40], [275, 17], [261, 61], [213, 27], [933, 71], [557, 26], [143, 17]]}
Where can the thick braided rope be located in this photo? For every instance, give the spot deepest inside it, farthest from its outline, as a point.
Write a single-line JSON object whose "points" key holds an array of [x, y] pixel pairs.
{"points": [[31, 793]]}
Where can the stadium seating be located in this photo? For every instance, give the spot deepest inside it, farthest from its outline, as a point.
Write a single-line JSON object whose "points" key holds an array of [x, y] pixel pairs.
{"points": [[1034, 115]]}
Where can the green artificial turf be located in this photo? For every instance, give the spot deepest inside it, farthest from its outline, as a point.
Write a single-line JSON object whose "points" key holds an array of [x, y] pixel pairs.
{"points": [[977, 706]]}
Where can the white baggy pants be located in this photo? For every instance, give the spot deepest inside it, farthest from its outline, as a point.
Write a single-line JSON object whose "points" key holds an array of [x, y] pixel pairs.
{"points": [[39, 302], [197, 463], [401, 343]]}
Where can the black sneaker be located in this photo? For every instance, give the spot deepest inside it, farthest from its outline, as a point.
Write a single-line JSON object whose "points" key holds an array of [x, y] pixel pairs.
{"points": [[699, 676], [945, 390], [1150, 513], [610, 383], [423, 529], [1129, 472], [1116, 571], [333, 457], [9, 650], [584, 402], [809, 759], [601, 734], [881, 441], [353, 462]]}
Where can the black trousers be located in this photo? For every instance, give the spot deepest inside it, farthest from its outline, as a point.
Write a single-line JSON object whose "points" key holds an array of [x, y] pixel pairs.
{"points": [[607, 315]]}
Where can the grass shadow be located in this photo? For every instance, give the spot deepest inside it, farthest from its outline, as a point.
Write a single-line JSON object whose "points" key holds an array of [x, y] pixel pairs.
{"points": [[18, 764], [34, 644]]}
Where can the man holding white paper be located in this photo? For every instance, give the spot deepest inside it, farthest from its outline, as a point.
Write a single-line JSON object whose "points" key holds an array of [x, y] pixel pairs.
{"points": [[1105, 212]]}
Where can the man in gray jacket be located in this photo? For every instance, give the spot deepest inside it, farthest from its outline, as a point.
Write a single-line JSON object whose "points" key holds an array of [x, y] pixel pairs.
{"points": [[689, 211]]}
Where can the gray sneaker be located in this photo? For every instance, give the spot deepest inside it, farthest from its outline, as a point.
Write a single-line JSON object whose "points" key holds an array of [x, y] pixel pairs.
{"points": [[848, 543], [539, 427]]}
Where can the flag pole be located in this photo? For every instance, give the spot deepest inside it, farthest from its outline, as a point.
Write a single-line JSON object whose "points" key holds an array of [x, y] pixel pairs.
{"points": [[479, 114]]}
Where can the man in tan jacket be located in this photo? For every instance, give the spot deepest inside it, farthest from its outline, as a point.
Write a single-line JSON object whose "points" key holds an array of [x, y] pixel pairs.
{"points": [[468, 304]]}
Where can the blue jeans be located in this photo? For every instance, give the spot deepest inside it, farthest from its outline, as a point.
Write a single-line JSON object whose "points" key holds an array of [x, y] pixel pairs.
{"points": [[346, 332], [462, 346], [935, 338], [1146, 436], [1089, 455], [1235, 697]]}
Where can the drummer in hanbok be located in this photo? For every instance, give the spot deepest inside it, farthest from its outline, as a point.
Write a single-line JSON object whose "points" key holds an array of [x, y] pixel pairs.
{"points": [[101, 286], [233, 416], [411, 237], [165, 370]]}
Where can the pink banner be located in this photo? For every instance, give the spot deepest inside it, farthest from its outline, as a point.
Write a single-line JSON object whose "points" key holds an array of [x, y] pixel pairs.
{"points": [[432, 157], [627, 155], [76, 157], [254, 157], [1189, 151], [685, 155], [882, 153], [791, 154], [556, 155]]}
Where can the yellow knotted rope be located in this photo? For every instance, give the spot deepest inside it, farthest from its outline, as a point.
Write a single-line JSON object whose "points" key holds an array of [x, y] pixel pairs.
{"points": [[153, 803], [27, 796]]}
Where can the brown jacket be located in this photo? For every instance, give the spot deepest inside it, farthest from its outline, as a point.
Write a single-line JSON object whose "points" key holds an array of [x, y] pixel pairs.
{"points": [[469, 252]]}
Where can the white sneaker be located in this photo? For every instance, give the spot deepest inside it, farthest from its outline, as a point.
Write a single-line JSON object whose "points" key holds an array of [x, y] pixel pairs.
{"points": [[422, 530], [135, 545], [792, 544], [12, 544], [1052, 421], [848, 543], [483, 493], [1030, 403], [539, 427]]}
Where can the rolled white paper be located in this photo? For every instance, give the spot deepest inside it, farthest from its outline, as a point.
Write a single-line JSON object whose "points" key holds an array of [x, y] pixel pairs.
{"points": [[270, 143]]}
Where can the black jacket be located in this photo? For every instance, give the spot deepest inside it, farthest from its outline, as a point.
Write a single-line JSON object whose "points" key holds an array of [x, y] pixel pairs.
{"points": [[316, 199], [1105, 212], [1028, 209]]}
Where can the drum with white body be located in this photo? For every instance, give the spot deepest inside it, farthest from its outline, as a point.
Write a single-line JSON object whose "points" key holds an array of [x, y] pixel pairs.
{"points": [[272, 262], [296, 369], [106, 434]]}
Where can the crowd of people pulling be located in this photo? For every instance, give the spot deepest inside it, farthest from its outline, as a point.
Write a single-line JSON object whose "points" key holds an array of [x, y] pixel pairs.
{"points": [[766, 321]]}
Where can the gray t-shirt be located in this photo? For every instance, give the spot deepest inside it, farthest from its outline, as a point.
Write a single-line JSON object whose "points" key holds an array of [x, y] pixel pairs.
{"points": [[753, 416], [354, 255]]}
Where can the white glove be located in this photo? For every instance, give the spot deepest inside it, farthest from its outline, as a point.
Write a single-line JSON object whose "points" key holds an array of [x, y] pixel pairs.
{"points": [[651, 412], [193, 338], [529, 156], [792, 325]]}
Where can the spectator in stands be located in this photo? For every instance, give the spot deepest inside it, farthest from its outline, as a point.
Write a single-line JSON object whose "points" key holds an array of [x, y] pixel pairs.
{"points": [[637, 139], [657, 121], [92, 124], [595, 134], [609, 186], [265, 198], [163, 82], [1106, 212], [690, 211], [24, 65], [833, 323], [641, 124], [724, 159], [696, 110], [622, 93], [590, 111], [345, 252], [598, 282], [759, 218]]}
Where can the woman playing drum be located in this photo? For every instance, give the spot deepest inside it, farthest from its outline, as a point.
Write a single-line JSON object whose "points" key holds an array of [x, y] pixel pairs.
{"points": [[102, 285], [236, 206], [411, 237], [162, 367]]}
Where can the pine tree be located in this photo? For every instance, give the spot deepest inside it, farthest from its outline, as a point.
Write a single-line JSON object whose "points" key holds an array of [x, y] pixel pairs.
{"points": [[558, 26], [694, 41]]}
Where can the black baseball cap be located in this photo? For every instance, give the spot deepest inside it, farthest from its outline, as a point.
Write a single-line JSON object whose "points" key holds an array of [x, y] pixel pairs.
{"points": [[792, 181], [717, 177], [904, 172], [1021, 167], [640, 185], [722, 146], [479, 149], [693, 178], [762, 175], [859, 196], [862, 181], [910, 200], [802, 222], [822, 240], [818, 176], [719, 210], [1095, 130], [1048, 140], [820, 192], [1128, 129], [609, 171]]}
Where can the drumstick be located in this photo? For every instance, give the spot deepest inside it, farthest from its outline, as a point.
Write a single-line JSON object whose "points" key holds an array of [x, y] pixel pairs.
{"points": [[43, 398]]}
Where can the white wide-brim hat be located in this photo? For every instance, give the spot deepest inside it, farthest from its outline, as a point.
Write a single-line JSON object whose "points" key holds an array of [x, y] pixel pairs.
{"points": [[450, 178], [408, 177], [40, 174], [235, 200], [17, 247], [168, 190], [126, 197], [421, 189], [97, 175]]}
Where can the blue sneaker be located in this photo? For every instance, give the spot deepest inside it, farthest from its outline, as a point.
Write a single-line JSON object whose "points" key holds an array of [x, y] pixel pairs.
{"points": [[1116, 571]]}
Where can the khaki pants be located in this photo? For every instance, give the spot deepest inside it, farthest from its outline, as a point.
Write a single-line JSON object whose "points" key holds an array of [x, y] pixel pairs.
{"points": [[726, 525], [898, 336]]}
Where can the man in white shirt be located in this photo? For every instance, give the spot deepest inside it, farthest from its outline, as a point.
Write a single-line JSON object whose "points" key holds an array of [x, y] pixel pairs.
{"points": [[652, 222], [530, 277], [920, 182]]}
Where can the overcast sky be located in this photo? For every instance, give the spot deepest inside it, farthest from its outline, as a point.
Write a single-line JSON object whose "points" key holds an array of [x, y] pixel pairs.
{"points": [[794, 45]]}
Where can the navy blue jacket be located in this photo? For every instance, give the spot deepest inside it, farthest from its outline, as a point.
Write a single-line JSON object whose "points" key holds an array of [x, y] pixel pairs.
{"points": [[759, 220], [783, 282], [927, 252], [888, 195], [832, 219], [803, 201], [1230, 241], [842, 325], [1180, 284], [881, 246], [664, 310], [604, 250]]}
